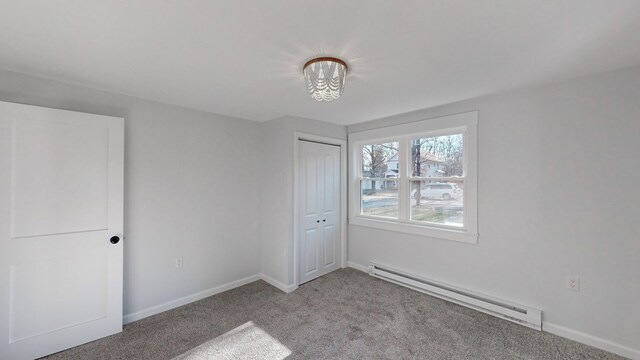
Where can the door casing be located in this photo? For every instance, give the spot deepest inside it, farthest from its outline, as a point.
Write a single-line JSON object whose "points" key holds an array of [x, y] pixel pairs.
{"points": [[296, 196]]}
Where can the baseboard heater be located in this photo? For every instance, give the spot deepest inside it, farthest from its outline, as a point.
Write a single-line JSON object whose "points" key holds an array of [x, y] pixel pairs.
{"points": [[518, 314]]}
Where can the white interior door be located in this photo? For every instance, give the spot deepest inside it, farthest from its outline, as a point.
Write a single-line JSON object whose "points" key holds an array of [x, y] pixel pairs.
{"points": [[61, 202], [319, 207]]}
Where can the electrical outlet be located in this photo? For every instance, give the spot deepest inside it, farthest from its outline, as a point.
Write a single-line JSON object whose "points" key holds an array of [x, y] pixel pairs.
{"points": [[573, 283], [178, 262]]}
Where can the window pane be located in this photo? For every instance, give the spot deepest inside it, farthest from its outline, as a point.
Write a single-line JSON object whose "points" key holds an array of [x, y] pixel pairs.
{"points": [[379, 198], [437, 202], [439, 156], [380, 160]]}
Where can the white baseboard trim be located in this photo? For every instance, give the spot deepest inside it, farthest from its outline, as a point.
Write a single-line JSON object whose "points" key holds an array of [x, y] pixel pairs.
{"points": [[277, 284], [188, 299], [591, 340], [358, 266], [138, 315]]}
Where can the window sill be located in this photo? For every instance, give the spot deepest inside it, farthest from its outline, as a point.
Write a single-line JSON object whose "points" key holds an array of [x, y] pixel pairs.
{"points": [[415, 229]]}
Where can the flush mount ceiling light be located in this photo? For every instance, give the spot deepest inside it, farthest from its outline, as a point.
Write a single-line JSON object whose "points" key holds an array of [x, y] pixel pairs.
{"points": [[325, 78]]}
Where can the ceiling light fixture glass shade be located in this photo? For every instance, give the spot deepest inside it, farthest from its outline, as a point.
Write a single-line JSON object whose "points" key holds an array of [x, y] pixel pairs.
{"points": [[325, 78]]}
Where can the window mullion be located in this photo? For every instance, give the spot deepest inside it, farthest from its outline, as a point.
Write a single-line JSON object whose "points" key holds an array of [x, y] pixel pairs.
{"points": [[403, 171]]}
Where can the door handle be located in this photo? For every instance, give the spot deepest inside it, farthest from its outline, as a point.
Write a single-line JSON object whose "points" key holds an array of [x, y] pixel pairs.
{"points": [[114, 239]]}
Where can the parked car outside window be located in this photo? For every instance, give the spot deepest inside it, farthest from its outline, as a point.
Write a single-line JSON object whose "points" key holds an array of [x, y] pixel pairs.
{"points": [[445, 191]]}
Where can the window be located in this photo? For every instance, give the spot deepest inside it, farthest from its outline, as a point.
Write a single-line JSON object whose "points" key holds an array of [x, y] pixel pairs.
{"points": [[418, 178]]}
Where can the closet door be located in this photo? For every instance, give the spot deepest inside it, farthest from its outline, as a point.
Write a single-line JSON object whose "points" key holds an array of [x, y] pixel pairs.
{"points": [[61, 214], [319, 207]]}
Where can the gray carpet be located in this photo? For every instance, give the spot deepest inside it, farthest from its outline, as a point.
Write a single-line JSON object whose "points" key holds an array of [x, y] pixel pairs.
{"points": [[344, 315]]}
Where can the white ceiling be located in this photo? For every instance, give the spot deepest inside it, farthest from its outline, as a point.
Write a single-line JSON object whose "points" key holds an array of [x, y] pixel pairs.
{"points": [[244, 58]]}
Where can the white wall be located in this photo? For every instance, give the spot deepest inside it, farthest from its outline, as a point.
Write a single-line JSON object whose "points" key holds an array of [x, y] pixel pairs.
{"points": [[276, 212], [190, 190], [558, 195]]}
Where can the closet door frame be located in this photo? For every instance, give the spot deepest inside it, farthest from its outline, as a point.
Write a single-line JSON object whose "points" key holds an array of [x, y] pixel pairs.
{"points": [[296, 194]]}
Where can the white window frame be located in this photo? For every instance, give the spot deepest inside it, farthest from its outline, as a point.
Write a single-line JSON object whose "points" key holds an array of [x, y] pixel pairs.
{"points": [[465, 123]]}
